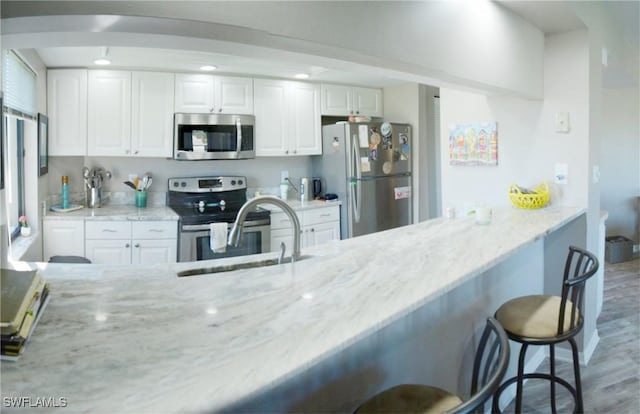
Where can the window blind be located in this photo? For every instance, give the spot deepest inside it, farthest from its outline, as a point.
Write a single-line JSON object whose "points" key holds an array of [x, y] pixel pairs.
{"points": [[18, 83]]}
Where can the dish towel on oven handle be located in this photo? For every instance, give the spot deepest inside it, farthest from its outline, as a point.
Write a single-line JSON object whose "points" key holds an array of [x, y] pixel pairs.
{"points": [[218, 237]]}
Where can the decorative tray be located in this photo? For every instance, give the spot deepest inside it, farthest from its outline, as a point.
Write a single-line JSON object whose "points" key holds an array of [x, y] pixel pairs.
{"points": [[72, 207]]}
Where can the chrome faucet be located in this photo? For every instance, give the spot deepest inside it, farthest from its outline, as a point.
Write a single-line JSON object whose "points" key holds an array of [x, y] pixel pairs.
{"points": [[236, 231]]}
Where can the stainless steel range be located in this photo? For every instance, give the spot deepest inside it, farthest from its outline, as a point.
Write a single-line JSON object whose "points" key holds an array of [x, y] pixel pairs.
{"points": [[200, 201]]}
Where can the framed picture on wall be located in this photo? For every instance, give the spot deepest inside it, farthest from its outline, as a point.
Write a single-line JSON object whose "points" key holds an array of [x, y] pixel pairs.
{"points": [[43, 144]]}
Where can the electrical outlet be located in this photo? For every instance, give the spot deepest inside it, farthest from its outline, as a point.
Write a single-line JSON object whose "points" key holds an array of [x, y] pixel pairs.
{"points": [[283, 176], [562, 122]]}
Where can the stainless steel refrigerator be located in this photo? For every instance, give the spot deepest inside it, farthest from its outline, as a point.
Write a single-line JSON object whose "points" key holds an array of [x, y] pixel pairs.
{"points": [[369, 167]]}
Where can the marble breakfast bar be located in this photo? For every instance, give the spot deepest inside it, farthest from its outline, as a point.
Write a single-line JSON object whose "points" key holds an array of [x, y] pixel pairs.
{"points": [[320, 334]]}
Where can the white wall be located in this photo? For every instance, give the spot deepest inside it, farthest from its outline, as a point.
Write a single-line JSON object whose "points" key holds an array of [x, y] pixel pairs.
{"points": [[486, 46], [528, 146]]}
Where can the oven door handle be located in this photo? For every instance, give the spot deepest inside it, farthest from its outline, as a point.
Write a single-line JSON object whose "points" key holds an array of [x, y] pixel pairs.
{"points": [[205, 227], [238, 138]]}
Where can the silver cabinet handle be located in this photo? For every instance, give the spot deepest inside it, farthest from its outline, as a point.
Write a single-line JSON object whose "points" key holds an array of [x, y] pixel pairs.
{"points": [[325, 215], [357, 112], [126, 151], [156, 231], [211, 109], [313, 229], [137, 245], [127, 245], [286, 151], [136, 152], [220, 110], [109, 231]]}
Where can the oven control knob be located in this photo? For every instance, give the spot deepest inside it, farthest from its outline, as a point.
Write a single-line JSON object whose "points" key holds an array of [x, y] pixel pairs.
{"points": [[183, 184], [233, 182], [176, 184], [201, 206], [223, 204]]}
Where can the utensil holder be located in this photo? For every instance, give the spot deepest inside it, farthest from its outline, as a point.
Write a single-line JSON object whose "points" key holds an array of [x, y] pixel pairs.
{"points": [[94, 197], [141, 199]]}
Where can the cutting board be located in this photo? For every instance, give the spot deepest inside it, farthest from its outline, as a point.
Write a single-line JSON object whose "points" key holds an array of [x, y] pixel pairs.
{"points": [[72, 207]]}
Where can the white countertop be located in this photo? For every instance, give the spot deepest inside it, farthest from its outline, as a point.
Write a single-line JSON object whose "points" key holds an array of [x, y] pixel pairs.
{"points": [[116, 212], [139, 339]]}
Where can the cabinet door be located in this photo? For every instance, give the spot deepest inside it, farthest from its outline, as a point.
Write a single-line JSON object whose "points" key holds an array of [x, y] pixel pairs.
{"points": [[367, 101], [152, 114], [67, 111], [62, 238], [283, 236], [109, 117], [336, 100], [270, 107], [154, 251], [194, 93], [323, 232], [233, 95], [109, 251], [305, 129]]}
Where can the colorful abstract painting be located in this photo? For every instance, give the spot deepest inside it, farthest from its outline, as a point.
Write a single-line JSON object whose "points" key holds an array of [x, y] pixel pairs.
{"points": [[473, 144]]}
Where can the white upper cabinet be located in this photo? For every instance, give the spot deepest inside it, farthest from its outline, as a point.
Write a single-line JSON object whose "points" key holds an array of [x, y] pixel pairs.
{"points": [[272, 120], [367, 101], [287, 118], [109, 113], [233, 95], [196, 93], [339, 100], [305, 129], [152, 114], [67, 111]]}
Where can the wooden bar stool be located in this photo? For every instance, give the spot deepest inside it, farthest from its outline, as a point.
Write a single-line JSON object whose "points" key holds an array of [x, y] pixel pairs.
{"points": [[490, 364], [549, 320]]}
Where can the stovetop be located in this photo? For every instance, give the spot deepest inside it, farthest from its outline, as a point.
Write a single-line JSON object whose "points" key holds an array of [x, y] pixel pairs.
{"points": [[204, 200]]}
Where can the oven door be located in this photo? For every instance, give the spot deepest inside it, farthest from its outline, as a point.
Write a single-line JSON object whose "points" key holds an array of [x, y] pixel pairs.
{"points": [[194, 241], [207, 137]]}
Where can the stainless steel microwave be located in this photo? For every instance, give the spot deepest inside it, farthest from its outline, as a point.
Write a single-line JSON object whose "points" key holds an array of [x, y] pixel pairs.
{"points": [[213, 137]]}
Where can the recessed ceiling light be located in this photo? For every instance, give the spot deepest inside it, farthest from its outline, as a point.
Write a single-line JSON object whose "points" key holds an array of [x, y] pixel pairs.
{"points": [[102, 62], [208, 67], [302, 76]]}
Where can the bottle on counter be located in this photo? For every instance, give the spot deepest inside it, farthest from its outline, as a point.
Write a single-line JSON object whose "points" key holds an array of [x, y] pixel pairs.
{"points": [[65, 192]]}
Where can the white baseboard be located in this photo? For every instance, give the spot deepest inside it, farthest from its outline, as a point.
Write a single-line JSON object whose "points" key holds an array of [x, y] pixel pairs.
{"points": [[564, 354]]}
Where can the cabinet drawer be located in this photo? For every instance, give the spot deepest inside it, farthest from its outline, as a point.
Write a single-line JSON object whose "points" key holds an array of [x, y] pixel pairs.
{"points": [[106, 230], [155, 230], [321, 215], [280, 221]]}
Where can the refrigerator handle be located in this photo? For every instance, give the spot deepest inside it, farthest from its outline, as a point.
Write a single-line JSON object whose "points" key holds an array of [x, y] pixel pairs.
{"points": [[355, 187]]}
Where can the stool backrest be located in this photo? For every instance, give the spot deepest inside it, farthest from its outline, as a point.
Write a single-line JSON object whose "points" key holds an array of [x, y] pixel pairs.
{"points": [[490, 364], [580, 266]]}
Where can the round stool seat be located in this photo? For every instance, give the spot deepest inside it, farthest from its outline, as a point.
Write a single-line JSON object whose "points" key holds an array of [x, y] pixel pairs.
{"points": [[535, 316], [411, 398], [69, 259]]}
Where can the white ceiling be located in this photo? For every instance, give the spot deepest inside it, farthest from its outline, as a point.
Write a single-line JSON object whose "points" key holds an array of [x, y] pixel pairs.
{"points": [[173, 60]]}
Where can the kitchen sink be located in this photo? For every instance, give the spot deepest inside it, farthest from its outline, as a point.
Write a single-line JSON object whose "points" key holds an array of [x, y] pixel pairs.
{"points": [[237, 266]]}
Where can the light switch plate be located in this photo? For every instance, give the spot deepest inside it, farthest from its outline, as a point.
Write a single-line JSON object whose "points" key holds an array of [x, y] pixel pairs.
{"points": [[562, 122]]}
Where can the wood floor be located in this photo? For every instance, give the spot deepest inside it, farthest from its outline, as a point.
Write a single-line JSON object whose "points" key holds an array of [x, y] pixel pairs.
{"points": [[611, 381]]}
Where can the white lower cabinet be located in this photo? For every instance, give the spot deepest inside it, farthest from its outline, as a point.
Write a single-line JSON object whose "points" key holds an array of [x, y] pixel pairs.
{"points": [[63, 238], [318, 226], [126, 242]]}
